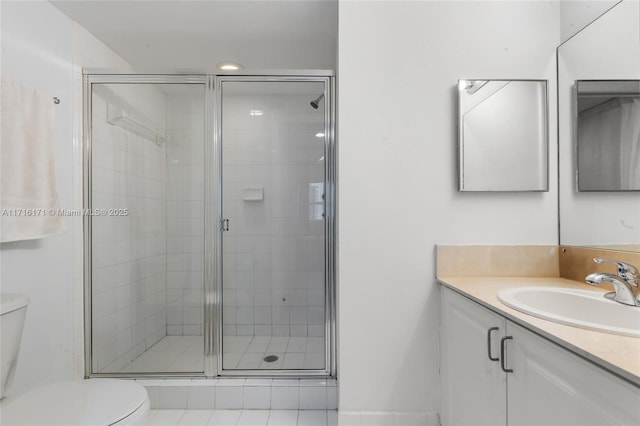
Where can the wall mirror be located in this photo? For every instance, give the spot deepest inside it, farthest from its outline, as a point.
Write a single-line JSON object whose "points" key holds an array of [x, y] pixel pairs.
{"points": [[608, 135], [502, 135], [608, 49]]}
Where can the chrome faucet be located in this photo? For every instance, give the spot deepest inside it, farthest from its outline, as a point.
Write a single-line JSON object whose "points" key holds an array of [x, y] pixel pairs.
{"points": [[623, 283]]}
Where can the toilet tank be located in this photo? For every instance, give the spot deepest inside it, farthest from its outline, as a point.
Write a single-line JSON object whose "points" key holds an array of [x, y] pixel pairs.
{"points": [[13, 308]]}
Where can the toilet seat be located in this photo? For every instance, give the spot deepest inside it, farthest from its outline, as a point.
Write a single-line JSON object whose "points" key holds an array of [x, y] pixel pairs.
{"points": [[94, 402]]}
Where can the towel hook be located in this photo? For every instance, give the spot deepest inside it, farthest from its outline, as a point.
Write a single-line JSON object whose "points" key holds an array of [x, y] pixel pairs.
{"points": [[56, 100]]}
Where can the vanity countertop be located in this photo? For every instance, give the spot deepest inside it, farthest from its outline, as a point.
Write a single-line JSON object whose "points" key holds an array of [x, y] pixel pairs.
{"points": [[616, 353]]}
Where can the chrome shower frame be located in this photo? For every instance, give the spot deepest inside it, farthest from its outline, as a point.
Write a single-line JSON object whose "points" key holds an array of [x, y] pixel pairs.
{"points": [[213, 211], [325, 77]]}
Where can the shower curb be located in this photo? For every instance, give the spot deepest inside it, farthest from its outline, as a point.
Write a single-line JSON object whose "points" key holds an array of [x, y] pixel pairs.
{"points": [[247, 394]]}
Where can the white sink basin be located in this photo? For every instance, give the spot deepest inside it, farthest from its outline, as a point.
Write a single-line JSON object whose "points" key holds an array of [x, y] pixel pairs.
{"points": [[578, 308]]}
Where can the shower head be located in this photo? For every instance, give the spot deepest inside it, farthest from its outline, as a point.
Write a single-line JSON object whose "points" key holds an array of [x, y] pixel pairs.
{"points": [[314, 103]]}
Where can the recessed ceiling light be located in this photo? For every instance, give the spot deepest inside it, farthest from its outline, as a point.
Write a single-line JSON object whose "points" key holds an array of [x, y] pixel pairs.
{"points": [[229, 66], [319, 135]]}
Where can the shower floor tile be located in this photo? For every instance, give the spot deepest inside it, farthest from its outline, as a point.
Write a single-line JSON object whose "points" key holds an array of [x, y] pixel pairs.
{"points": [[294, 353], [180, 354], [184, 354]]}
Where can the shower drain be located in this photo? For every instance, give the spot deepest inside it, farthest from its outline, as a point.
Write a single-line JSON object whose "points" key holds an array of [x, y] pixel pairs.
{"points": [[270, 358]]}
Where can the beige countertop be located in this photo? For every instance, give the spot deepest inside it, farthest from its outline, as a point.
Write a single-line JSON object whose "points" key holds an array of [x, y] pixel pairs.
{"points": [[618, 354]]}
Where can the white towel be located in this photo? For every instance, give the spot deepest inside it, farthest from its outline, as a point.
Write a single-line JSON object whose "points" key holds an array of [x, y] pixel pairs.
{"points": [[28, 196]]}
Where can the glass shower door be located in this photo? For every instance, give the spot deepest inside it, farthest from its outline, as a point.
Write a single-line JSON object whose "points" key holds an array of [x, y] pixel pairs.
{"points": [[273, 244], [146, 239]]}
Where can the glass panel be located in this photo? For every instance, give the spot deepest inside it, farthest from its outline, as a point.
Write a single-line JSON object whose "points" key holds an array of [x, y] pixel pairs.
{"points": [[601, 51], [608, 135], [502, 134], [147, 243], [273, 178]]}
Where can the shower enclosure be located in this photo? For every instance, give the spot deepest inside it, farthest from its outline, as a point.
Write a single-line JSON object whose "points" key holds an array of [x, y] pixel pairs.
{"points": [[209, 226]]}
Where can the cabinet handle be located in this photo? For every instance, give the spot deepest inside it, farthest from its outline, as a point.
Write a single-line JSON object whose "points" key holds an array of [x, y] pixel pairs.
{"points": [[489, 343], [503, 344]]}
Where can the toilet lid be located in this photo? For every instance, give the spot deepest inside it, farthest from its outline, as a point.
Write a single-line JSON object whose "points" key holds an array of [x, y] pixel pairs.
{"points": [[76, 403]]}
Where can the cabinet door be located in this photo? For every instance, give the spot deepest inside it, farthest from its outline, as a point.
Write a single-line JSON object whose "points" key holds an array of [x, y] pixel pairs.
{"points": [[473, 387], [551, 386]]}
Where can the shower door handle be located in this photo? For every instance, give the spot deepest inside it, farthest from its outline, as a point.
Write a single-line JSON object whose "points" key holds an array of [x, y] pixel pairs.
{"points": [[224, 225]]}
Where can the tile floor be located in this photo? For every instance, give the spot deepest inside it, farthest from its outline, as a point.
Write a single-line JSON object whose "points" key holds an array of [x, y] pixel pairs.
{"points": [[294, 353], [184, 354], [243, 418], [180, 354]]}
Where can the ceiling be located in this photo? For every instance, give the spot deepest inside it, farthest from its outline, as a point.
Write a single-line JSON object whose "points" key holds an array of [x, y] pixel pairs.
{"points": [[259, 34]]}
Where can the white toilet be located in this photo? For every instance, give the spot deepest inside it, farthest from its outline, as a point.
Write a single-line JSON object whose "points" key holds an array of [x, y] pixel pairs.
{"points": [[98, 402]]}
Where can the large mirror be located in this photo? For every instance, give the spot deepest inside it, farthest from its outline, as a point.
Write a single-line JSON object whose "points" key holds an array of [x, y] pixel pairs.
{"points": [[608, 49], [502, 135], [608, 135]]}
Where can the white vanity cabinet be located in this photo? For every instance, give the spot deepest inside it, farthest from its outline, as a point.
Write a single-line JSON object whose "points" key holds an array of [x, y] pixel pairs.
{"points": [[546, 384], [473, 387]]}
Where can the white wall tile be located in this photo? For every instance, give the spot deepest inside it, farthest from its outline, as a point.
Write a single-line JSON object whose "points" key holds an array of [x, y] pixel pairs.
{"points": [[132, 242], [280, 165], [200, 397], [229, 397], [332, 397], [154, 395], [185, 209], [299, 330], [173, 397], [285, 397], [313, 398]]}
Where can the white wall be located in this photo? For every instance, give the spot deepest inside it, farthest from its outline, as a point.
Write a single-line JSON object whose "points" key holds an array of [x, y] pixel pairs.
{"points": [[398, 66], [576, 14], [37, 51], [41, 47], [265, 34]]}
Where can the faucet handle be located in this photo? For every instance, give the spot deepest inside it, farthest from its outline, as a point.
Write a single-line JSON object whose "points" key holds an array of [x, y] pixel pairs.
{"points": [[626, 270]]}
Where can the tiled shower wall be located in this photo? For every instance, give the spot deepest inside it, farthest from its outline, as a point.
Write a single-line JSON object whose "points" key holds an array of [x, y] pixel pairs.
{"points": [[128, 252], [185, 212], [273, 253]]}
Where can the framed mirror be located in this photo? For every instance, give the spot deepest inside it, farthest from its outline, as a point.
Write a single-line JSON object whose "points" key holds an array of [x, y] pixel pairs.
{"points": [[607, 128], [608, 49], [502, 135]]}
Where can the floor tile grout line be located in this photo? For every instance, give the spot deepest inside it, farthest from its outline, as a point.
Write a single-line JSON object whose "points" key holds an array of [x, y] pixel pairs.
{"points": [[183, 413], [293, 347]]}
